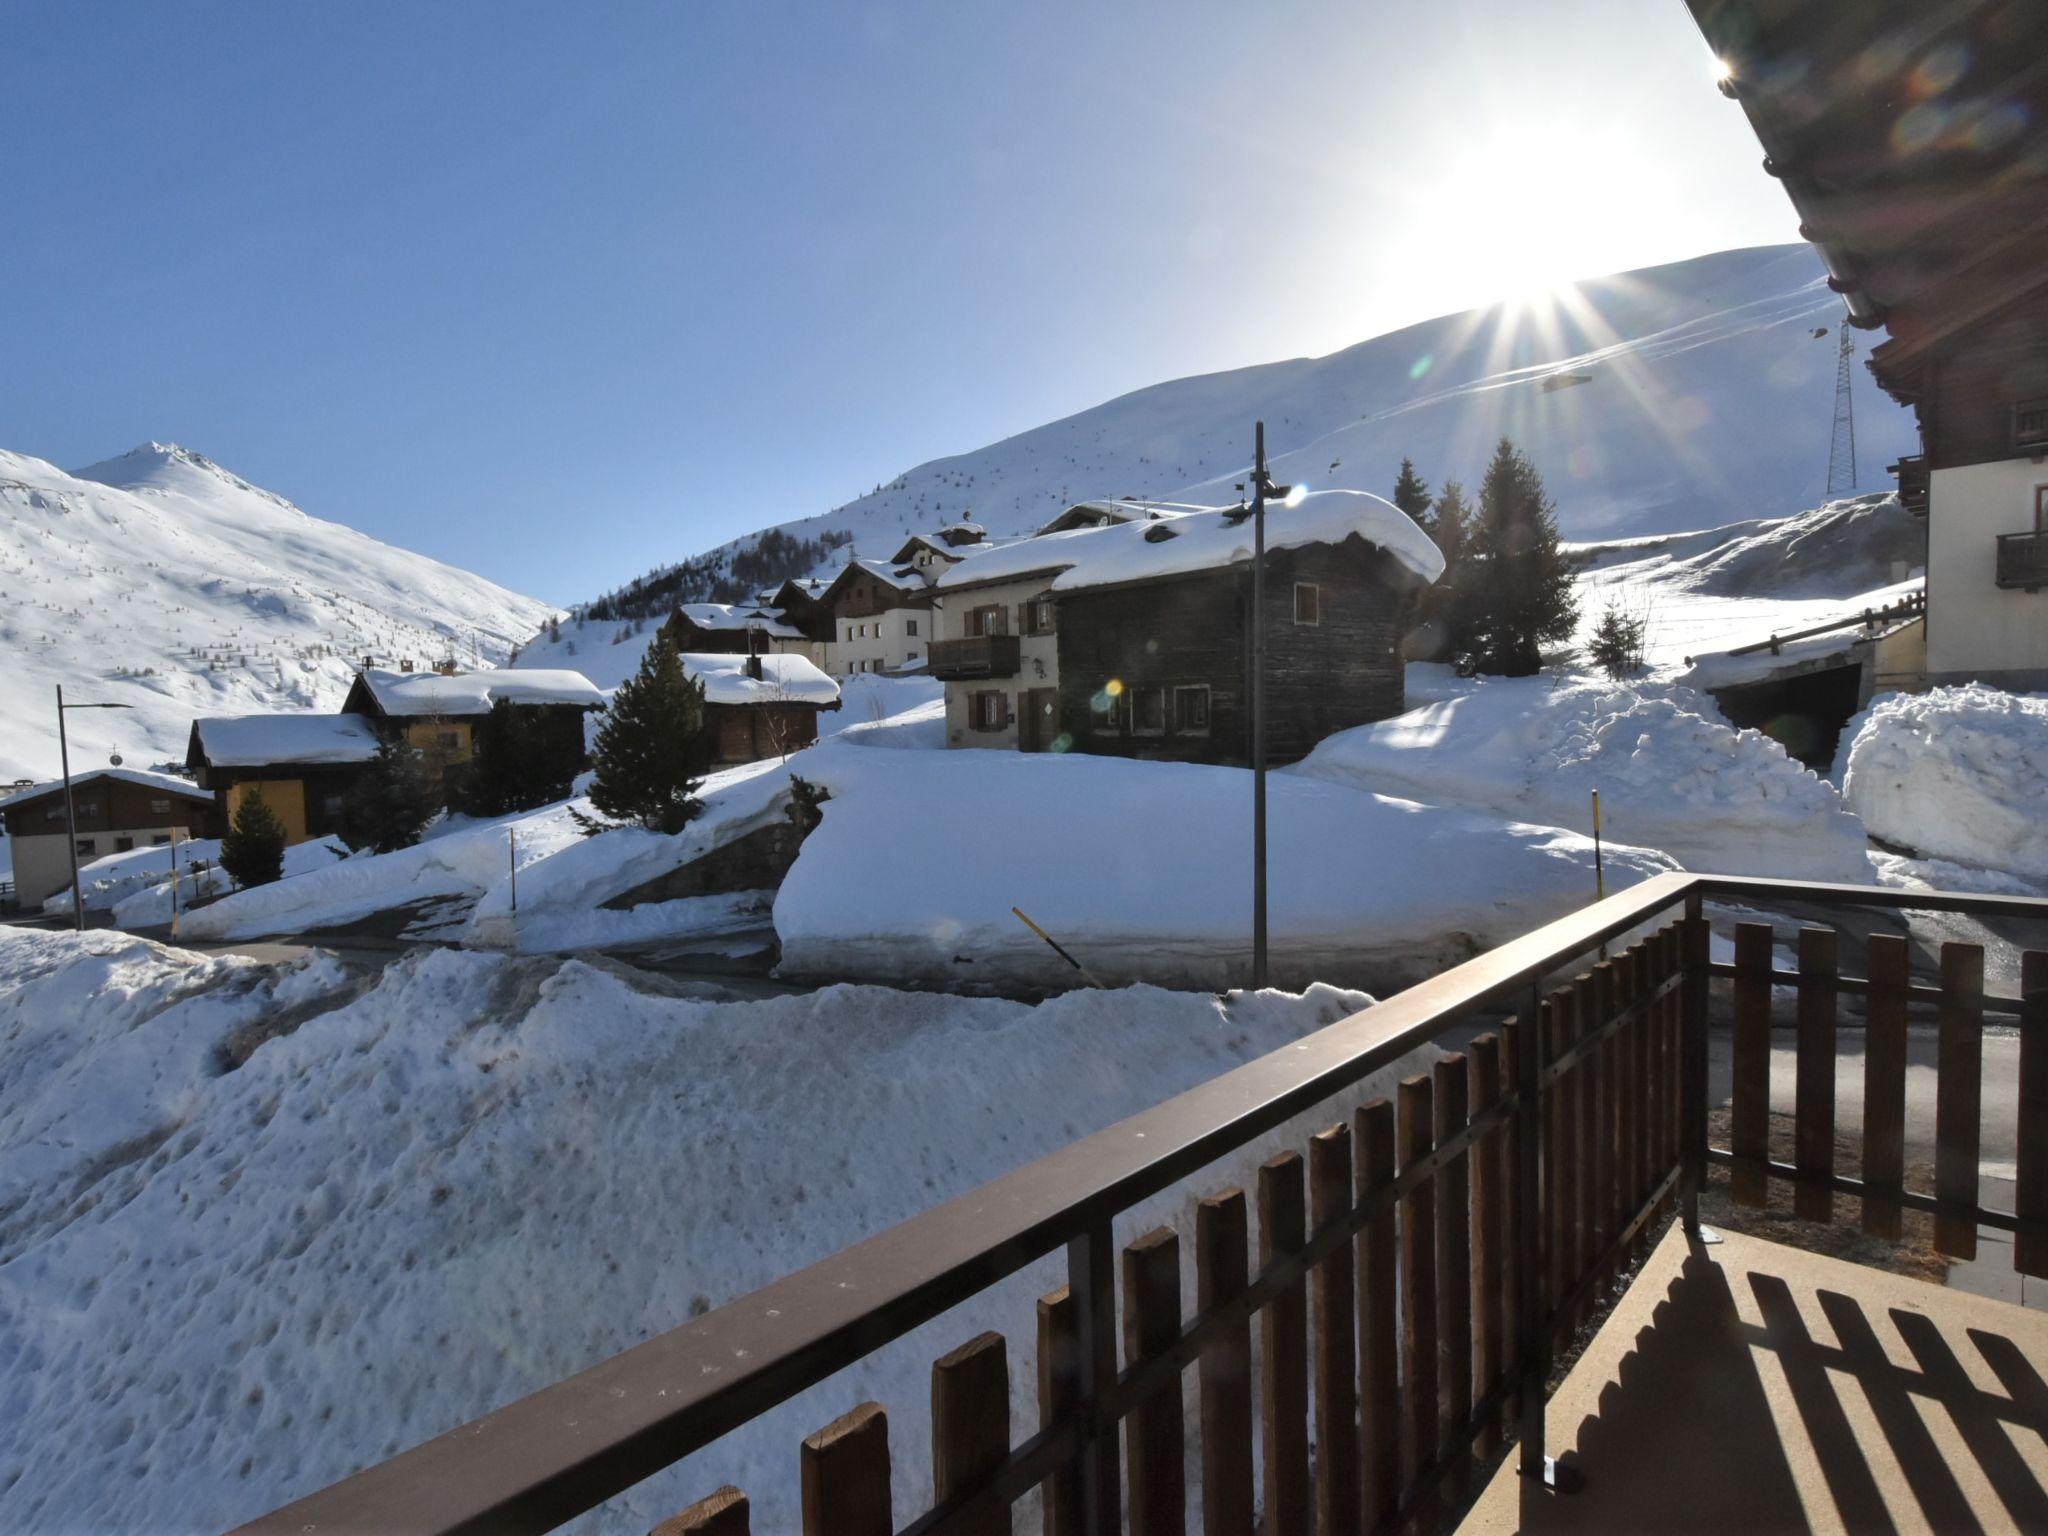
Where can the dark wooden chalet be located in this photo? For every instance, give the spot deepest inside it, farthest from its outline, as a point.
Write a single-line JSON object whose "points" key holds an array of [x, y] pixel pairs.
{"points": [[118, 810]]}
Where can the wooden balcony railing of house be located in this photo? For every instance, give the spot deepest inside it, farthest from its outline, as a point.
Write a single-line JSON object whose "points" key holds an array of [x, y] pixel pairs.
{"points": [[1417, 1263], [1912, 475], [2023, 560], [974, 657]]}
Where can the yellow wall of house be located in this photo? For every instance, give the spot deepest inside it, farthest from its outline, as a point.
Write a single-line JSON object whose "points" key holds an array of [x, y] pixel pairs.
{"points": [[287, 797], [426, 735]]}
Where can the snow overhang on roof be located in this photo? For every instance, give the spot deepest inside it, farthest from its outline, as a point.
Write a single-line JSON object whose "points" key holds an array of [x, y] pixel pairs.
{"points": [[740, 616], [252, 741], [142, 776], [1146, 548], [473, 693], [784, 679]]}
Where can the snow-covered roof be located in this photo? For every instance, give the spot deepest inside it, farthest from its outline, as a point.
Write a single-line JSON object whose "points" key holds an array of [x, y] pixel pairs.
{"points": [[785, 679], [1123, 509], [1200, 541], [1727, 669], [473, 693], [249, 741], [142, 776], [740, 616]]}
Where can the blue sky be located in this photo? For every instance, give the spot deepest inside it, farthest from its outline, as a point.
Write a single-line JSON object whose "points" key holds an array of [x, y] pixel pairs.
{"points": [[559, 292]]}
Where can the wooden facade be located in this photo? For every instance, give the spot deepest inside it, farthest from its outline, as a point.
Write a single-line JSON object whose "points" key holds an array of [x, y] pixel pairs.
{"points": [[110, 805], [746, 733], [1178, 649]]}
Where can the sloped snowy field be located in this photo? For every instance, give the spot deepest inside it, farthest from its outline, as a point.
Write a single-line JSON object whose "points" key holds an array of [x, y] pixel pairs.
{"points": [[222, 1285]]}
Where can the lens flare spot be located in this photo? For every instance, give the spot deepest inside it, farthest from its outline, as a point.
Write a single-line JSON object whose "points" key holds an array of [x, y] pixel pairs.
{"points": [[1113, 689], [1421, 365], [1939, 70], [1919, 127], [1997, 127], [1063, 742]]}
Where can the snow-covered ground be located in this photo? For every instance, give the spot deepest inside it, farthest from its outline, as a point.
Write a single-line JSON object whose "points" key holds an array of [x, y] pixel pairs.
{"points": [[235, 1267], [161, 581], [1142, 870], [1956, 774], [1670, 772], [115, 882]]}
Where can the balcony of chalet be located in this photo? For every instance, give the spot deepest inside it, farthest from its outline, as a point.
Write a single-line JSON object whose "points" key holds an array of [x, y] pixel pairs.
{"points": [[974, 658], [1652, 1239], [2023, 561]]}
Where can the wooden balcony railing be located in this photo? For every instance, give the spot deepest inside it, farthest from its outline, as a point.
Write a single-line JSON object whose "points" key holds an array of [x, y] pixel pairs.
{"points": [[976, 657], [1414, 1270], [1913, 483], [2023, 560]]}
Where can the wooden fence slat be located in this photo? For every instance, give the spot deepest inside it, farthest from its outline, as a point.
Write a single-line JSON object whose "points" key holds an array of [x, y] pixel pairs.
{"points": [[1221, 1235], [1636, 1041], [1813, 1131], [1454, 1271], [1059, 1390], [1512, 1038], [724, 1513], [845, 1475], [1662, 1145], [1418, 1285], [1558, 1201], [1958, 1096], [1749, 1132], [971, 1425], [1155, 1436], [1667, 1052], [1378, 1328], [1283, 1350], [1332, 1301], [1887, 965], [1488, 1251], [2030, 1198], [1582, 1100], [1611, 985]]}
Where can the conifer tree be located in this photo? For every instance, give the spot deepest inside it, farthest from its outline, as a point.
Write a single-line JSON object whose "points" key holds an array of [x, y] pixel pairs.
{"points": [[1439, 609], [1411, 493], [653, 749], [522, 760], [1518, 589], [253, 851], [386, 809]]}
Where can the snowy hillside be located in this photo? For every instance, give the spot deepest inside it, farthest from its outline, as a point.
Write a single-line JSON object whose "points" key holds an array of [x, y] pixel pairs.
{"points": [[161, 581], [1675, 397]]}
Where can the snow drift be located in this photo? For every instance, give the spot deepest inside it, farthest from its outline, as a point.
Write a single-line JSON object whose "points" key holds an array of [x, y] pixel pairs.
{"points": [[1956, 773], [1671, 774], [260, 1226]]}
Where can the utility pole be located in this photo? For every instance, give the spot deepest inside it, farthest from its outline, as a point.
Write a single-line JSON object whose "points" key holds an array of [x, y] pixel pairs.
{"points": [[1842, 439], [1262, 487], [70, 810]]}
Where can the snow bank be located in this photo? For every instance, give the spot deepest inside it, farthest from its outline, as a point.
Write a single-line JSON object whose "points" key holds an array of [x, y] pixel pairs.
{"points": [[1957, 773], [1671, 774], [137, 884], [1143, 870], [223, 1288]]}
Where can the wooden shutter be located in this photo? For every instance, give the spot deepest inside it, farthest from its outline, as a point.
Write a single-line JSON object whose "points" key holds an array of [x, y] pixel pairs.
{"points": [[1003, 724]]}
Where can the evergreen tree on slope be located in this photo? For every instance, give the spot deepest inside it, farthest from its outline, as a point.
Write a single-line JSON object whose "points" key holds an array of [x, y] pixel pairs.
{"points": [[1411, 493], [654, 746], [253, 851], [387, 808], [1519, 590]]}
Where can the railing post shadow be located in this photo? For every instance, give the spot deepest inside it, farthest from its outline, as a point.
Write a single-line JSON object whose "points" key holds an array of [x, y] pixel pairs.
{"points": [[1532, 1239], [1692, 1064], [1091, 1281]]}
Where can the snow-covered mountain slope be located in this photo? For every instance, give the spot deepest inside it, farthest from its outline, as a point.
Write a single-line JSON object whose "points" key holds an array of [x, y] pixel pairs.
{"points": [[1680, 396], [160, 581]]}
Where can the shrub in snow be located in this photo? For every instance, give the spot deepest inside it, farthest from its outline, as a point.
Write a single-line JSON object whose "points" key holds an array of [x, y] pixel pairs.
{"points": [[654, 747], [253, 850], [387, 808], [1956, 773], [1616, 647]]}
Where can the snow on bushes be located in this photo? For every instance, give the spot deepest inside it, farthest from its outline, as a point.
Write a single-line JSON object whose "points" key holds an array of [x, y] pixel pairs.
{"points": [[1671, 774], [1956, 773], [1143, 870], [221, 1288]]}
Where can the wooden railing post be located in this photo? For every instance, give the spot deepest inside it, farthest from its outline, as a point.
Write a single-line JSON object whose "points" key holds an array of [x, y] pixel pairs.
{"points": [[1533, 1231], [1221, 1235], [1692, 1063], [1091, 1283]]}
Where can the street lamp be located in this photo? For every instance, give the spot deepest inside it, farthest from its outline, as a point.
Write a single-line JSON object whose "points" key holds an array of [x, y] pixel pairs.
{"points": [[1262, 487], [70, 813]]}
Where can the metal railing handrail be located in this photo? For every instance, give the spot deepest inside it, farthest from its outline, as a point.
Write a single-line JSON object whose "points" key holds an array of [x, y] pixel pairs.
{"points": [[567, 1448]]}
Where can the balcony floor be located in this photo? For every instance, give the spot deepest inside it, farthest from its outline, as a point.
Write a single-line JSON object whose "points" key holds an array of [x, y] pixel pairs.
{"points": [[1746, 1386]]}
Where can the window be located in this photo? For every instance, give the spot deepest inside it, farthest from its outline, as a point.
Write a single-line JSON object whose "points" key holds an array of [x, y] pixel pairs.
{"points": [[160, 807], [1038, 616], [159, 839], [2041, 509], [990, 619], [1191, 710], [124, 845], [1148, 711], [1308, 603], [990, 711], [88, 807], [448, 740], [86, 847], [1102, 712], [910, 626], [54, 812]]}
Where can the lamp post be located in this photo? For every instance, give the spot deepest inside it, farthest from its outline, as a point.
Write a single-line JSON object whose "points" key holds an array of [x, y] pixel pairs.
{"points": [[70, 811], [1262, 487]]}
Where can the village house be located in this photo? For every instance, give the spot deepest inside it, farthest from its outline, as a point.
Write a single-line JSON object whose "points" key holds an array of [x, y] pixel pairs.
{"points": [[1132, 637], [1935, 236], [741, 628], [437, 712], [302, 765], [118, 809], [879, 612], [760, 706]]}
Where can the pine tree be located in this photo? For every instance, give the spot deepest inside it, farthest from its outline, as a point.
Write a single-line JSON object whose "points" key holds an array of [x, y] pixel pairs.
{"points": [[1411, 493], [386, 809], [522, 760], [1438, 609], [1616, 647], [1518, 591], [253, 851], [653, 749]]}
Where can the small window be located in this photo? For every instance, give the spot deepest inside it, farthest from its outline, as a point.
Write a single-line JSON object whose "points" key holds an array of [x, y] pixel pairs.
{"points": [[2041, 509], [449, 741], [86, 847], [88, 807], [1308, 603], [1038, 613], [160, 807], [1148, 711], [124, 845], [54, 812], [159, 839], [991, 711], [1191, 710], [988, 620], [1102, 711], [910, 626]]}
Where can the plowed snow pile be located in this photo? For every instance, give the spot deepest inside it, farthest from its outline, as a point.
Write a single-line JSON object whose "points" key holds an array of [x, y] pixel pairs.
{"points": [[1956, 773], [222, 1286], [1672, 775]]}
